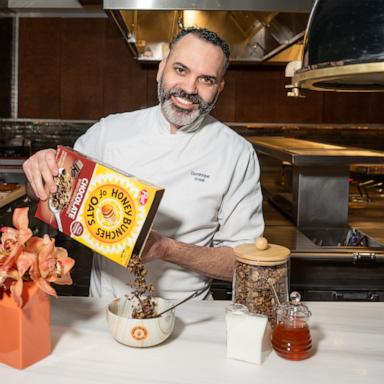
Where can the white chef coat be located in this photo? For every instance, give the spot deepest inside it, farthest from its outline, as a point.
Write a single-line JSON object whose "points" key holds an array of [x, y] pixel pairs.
{"points": [[212, 192]]}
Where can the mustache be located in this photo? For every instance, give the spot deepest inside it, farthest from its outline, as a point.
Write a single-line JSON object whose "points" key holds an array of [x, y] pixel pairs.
{"points": [[204, 106], [179, 92]]}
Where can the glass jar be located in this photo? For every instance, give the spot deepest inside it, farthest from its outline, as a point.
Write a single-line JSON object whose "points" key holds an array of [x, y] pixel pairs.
{"points": [[260, 270], [291, 338]]}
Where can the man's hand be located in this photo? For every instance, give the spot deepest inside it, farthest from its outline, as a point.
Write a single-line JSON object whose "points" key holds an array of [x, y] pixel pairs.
{"points": [[40, 170], [157, 247]]}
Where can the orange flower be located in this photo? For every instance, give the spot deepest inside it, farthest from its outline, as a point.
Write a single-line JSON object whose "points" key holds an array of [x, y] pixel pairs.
{"points": [[23, 257], [52, 264]]}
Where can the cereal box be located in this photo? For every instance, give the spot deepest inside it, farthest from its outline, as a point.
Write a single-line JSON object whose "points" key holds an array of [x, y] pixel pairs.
{"points": [[105, 209]]}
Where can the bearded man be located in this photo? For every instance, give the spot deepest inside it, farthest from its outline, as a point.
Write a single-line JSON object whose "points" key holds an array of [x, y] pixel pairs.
{"points": [[212, 200]]}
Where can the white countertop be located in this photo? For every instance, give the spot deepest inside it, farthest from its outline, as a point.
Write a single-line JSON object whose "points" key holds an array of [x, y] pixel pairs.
{"points": [[348, 337]]}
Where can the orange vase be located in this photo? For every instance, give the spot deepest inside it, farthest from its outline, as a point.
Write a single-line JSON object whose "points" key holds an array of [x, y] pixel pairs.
{"points": [[25, 332]]}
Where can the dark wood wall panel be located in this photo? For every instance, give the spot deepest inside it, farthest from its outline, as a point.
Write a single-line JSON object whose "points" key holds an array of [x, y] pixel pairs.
{"points": [[83, 45], [308, 109], [376, 108], [6, 24], [359, 107], [253, 89], [151, 73], [82, 69], [39, 68], [125, 82], [225, 109]]}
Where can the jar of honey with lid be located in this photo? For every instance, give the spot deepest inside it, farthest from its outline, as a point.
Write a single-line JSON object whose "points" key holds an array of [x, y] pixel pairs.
{"points": [[291, 338], [261, 268]]}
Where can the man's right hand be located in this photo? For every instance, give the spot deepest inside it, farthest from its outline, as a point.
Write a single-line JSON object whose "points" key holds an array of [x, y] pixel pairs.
{"points": [[40, 170]]}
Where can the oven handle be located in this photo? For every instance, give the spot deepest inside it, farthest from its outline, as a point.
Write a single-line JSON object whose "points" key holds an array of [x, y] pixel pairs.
{"points": [[364, 257], [359, 257], [355, 296]]}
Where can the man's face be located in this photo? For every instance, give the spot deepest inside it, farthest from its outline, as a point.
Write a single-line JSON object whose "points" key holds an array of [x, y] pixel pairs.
{"points": [[190, 80]]}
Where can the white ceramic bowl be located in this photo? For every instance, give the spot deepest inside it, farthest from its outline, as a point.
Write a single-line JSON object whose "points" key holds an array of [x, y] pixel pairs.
{"points": [[139, 332]]}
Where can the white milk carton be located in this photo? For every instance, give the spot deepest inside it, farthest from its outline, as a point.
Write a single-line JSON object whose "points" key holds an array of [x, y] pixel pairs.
{"points": [[248, 335]]}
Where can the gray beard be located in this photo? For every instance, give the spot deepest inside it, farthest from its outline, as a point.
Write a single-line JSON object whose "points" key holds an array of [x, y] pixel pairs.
{"points": [[178, 116]]}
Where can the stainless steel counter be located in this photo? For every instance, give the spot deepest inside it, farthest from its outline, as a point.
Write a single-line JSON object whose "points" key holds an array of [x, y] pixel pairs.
{"points": [[305, 153], [320, 177]]}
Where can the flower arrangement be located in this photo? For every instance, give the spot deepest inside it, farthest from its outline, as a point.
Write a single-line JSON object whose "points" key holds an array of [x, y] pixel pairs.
{"points": [[24, 257]]}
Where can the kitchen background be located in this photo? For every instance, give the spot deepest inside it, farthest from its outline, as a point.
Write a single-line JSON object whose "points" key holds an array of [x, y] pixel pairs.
{"points": [[81, 69], [58, 75]]}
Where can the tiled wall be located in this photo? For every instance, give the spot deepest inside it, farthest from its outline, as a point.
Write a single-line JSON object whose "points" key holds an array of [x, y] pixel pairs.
{"points": [[42, 134], [48, 134]]}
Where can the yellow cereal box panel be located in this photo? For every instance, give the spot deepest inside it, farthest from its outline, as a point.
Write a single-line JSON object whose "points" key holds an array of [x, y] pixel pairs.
{"points": [[103, 208]]}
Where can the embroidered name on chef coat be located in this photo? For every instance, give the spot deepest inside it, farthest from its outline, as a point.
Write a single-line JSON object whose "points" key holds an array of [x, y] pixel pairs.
{"points": [[199, 176]]}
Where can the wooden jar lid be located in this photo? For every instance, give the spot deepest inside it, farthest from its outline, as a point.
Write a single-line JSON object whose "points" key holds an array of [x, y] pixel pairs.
{"points": [[262, 253]]}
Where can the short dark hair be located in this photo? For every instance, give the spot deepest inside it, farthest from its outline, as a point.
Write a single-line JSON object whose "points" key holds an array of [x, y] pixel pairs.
{"points": [[207, 35]]}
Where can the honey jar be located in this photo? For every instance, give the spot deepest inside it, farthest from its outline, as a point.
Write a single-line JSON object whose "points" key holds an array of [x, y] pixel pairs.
{"points": [[260, 269], [291, 338]]}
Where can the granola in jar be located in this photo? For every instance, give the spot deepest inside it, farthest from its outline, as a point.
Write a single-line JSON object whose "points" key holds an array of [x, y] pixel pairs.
{"points": [[261, 268]]}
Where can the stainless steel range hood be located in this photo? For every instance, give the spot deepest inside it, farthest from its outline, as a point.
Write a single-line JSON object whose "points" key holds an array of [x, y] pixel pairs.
{"points": [[257, 30], [52, 8], [343, 48]]}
